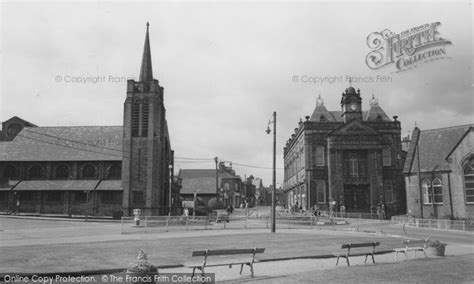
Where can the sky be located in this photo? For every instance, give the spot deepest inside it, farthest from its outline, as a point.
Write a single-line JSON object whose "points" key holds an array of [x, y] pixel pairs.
{"points": [[226, 67]]}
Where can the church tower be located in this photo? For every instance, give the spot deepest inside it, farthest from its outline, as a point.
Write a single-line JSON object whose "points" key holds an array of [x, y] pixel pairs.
{"points": [[351, 104], [147, 155]]}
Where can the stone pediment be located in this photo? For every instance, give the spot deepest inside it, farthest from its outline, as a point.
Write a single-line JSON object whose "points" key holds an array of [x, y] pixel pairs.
{"points": [[354, 127]]}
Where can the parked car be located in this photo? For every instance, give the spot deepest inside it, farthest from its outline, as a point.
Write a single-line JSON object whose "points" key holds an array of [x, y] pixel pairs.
{"points": [[219, 216]]}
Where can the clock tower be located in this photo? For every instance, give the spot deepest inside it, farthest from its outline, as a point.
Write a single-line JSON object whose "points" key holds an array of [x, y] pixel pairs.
{"points": [[351, 104]]}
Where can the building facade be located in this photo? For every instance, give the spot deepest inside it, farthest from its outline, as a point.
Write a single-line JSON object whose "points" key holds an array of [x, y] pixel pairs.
{"points": [[92, 170], [350, 157], [201, 184], [439, 173]]}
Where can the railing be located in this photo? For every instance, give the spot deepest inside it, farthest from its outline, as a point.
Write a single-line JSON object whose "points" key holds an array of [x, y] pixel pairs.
{"points": [[443, 224], [254, 220]]}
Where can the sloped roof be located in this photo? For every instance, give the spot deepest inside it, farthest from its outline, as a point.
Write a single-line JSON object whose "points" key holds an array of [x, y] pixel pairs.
{"points": [[110, 185], [65, 143], [57, 185], [434, 146], [375, 113], [202, 180]]}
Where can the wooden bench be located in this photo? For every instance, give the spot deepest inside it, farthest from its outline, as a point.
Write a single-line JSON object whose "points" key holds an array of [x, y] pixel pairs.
{"points": [[412, 245], [219, 261], [357, 245]]}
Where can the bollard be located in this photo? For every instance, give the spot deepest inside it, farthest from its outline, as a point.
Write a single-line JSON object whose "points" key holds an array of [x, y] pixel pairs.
{"points": [[167, 222], [187, 222], [121, 230]]}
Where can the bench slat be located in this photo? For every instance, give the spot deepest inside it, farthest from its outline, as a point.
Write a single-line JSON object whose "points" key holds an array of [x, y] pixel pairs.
{"points": [[226, 251], [360, 245]]}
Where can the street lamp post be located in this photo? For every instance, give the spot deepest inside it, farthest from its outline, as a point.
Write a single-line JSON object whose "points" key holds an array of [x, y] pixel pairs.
{"points": [[169, 190], [274, 168], [194, 203]]}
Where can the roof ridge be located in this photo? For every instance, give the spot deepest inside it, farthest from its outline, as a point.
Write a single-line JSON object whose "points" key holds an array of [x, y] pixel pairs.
{"points": [[65, 126], [448, 127]]}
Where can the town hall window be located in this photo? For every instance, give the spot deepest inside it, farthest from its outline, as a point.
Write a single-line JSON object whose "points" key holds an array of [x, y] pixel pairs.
{"points": [[388, 189], [321, 191], [469, 180], [353, 168], [319, 156], [386, 157]]}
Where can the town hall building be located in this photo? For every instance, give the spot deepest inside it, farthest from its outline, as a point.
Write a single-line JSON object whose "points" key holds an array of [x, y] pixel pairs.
{"points": [[93, 170], [350, 157]]}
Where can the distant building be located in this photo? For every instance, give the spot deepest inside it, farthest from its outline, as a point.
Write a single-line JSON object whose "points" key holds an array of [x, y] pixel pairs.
{"points": [[351, 157], [445, 188], [201, 184], [92, 170]]}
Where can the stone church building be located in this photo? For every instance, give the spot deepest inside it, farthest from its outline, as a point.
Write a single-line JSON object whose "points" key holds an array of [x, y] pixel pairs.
{"points": [[93, 170], [350, 157]]}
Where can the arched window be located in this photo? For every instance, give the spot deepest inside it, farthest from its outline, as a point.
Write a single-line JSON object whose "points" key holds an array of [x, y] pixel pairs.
{"points": [[35, 172], [135, 117], [62, 171], [115, 172], [437, 191], [426, 186], [88, 171], [469, 180], [10, 172], [145, 113]]}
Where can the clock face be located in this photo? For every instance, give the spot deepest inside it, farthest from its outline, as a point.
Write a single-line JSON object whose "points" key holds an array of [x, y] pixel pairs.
{"points": [[353, 106]]}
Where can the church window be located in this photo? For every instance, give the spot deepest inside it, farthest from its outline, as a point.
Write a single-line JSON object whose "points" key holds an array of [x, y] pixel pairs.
{"points": [[80, 197], [35, 172], [469, 180], [26, 196], [135, 117], [437, 191], [322, 118], [10, 172], [53, 195], [386, 157], [88, 171], [145, 113], [115, 172], [62, 171]]}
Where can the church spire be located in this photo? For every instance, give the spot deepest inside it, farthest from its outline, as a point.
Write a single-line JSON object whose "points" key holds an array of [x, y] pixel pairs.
{"points": [[146, 72]]}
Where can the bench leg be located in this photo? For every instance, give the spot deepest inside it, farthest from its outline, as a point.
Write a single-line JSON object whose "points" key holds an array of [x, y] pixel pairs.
{"points": [[251, 269], [194, 270], [337, 261], [365, 261], [241, 268], [373, 258], [347, 260]]}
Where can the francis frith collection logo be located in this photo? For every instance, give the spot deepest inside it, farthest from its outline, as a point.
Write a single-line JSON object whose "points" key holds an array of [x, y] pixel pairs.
{"points": [[407, 49]]}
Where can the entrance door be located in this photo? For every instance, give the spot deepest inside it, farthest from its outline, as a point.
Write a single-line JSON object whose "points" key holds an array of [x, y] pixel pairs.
{"points": [[356, 198]]}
